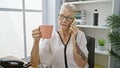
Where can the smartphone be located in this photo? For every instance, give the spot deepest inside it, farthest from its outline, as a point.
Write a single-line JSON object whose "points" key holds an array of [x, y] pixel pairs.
{"points": [[70, 27]]}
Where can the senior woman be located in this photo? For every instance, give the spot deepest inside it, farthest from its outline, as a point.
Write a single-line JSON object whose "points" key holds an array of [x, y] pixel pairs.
{"points": [[67, 46]]}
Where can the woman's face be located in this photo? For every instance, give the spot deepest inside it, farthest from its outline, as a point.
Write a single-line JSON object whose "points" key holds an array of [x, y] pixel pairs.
{"points": [[65, 18]]}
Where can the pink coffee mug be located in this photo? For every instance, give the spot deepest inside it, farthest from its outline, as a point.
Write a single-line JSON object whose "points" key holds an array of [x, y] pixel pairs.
{"points": [[46, 31]]}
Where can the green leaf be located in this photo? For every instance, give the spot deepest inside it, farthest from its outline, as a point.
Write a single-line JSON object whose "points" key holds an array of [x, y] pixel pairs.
{"points": [[101, 42], [114, 36], [113, 21], [112, 53]]}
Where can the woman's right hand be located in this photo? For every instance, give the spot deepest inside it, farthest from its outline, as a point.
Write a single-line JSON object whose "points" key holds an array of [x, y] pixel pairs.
{"points": [[36, 34]]}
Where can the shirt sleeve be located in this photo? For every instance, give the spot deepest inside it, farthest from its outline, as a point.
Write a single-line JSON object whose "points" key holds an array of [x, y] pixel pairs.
{"points": [[82, 42], [45, 53]]}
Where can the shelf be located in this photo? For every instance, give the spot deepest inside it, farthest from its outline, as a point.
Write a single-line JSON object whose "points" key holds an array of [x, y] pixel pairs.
{"points": [[90, 26], [86, 2], [101, 52]]}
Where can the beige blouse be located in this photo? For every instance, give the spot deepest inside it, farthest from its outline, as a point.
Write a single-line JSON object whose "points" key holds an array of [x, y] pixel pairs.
{"points": [[54, 54]]}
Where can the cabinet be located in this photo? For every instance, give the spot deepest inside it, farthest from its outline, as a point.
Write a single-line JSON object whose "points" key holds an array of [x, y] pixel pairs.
{"points": [[104, 8]]}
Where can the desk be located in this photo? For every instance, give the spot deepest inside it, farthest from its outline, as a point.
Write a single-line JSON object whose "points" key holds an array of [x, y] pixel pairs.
{"points": [[13, 58]]}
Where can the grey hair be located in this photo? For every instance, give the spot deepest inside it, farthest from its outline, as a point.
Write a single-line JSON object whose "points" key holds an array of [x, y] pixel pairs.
{"points": [[71, 7]]}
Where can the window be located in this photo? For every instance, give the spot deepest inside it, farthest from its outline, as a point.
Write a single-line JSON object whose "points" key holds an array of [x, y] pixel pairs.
{"points": [[17, 19]]}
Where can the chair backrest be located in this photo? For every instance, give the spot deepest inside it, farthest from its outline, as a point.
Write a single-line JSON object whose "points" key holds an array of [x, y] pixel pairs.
{"points": [[91, 50]]}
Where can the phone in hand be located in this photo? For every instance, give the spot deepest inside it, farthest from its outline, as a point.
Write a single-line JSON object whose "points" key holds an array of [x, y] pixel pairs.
{"points": [[70, 27]]}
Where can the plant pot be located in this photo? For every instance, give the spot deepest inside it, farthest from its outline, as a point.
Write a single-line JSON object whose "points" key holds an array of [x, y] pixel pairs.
{"points": [[101, 48]]}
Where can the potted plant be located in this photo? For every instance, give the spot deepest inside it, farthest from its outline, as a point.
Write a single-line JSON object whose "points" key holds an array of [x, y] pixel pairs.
{"points": [[114, 35], [101, 44]]}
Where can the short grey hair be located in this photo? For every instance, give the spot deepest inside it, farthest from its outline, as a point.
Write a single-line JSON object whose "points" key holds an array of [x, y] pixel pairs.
{"points": [[71, 7]]}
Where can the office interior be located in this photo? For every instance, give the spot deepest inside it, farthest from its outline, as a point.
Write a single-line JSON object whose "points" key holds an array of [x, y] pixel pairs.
{"points": [[19, 17]]}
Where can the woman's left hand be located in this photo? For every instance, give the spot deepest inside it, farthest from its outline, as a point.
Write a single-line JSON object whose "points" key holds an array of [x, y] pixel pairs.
{"points": [[74, 30]]}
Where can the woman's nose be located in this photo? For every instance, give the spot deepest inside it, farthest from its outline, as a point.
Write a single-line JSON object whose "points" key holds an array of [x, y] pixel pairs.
{"points": [[64, 19]]}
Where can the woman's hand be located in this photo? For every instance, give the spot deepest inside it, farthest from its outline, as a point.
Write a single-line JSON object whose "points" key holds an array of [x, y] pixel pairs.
{"points": [[74, 30], [35, 60], [36, 34]]}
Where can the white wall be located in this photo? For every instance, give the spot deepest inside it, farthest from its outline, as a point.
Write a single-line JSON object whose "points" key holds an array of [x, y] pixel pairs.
{"points": [[51, 12]]}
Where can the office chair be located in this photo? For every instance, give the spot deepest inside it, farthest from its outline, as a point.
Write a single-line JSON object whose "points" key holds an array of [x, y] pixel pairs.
{"points": [[91, 50]]}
